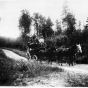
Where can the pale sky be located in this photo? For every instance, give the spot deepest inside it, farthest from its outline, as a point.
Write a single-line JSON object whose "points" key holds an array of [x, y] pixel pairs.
{"points": [[10, 11]]}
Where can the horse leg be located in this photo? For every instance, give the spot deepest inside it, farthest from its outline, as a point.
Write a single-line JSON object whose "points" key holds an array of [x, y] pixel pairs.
{"points": [[69, 63], [61, 61], [72, 61], [50, 62], [40, 59], [57, 61], [72, 64]]}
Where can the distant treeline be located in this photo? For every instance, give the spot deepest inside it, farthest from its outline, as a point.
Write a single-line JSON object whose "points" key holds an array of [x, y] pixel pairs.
{"points": [[9, 43]]}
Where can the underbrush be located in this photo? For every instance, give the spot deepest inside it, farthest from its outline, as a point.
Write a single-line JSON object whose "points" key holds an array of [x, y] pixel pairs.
{"points": [[35, 69], [9, 70], [77, 79]]}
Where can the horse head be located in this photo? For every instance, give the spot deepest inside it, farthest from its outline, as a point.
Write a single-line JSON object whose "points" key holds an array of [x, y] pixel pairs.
{"points": [[79, 48]]}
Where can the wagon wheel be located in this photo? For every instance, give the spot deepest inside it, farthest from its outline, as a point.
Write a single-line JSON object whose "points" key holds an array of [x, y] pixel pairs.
{"points": [[34, 57]]}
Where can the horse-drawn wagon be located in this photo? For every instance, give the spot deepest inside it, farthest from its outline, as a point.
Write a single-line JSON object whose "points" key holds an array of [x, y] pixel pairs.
{"points": [[37, 51], [54, 54]]}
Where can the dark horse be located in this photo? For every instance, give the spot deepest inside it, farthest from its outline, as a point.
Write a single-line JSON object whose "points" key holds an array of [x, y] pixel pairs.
{"points": [[47, 54], [68, 53]]}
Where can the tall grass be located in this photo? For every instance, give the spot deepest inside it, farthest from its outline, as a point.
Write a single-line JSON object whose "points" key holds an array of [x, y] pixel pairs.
{"points": [[77, 79], [35, 69]]}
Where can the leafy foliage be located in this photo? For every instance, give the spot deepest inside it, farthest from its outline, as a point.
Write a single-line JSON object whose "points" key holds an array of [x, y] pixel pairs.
{"points": [[25, 21], [69, 19], [24, 24], [43, 26], [58, 28]]}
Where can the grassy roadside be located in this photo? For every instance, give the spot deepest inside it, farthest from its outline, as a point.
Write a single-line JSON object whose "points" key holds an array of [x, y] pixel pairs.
{"points": [[22, 70], [77, 79]]}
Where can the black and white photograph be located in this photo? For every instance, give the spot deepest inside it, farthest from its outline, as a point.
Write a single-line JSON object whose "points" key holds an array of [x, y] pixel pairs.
{"points": [[44, 43]]}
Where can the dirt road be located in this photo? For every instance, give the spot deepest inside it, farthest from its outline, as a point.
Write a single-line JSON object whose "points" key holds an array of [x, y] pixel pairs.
{"points": [[79, 68], [57, 79], [13, 55]]}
